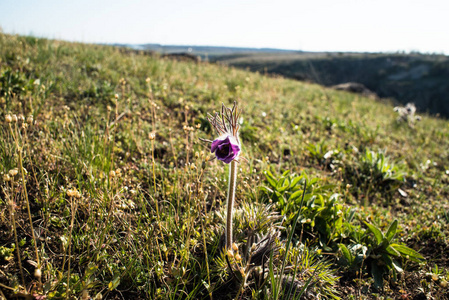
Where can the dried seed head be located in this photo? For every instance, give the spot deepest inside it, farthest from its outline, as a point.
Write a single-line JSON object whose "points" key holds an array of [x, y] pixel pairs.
{"points": [[13, 172], [112, 174], [85, 295], [73, 193], [151, 136], [6, 178], [21, 117], [235, 247], [8, 118], [238, 257], [30, 119], [148, 80], [253, 247], [14, 118]]}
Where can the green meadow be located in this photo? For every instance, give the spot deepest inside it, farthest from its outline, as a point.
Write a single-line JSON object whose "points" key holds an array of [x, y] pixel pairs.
{"points": [[107, 191]]}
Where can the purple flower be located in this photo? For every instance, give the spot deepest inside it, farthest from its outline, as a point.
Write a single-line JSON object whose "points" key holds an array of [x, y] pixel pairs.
{"points": [[226, 148]]}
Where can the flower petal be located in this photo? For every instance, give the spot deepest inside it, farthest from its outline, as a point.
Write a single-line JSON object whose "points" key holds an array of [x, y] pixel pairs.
{"points": [[226, 148], [215, 145]]}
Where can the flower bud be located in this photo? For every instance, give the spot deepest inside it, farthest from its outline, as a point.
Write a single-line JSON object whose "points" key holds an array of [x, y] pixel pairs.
{"points": [[235, 247], [8, 118], [37, 273]]}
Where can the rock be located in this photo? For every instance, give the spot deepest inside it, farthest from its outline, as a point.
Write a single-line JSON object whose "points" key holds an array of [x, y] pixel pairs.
{"points": [[183, 57], [355, 87]]}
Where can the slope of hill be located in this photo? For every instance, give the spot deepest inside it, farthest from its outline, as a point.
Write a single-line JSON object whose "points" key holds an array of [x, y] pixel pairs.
{"points": [[416, 78], [107, 191]]}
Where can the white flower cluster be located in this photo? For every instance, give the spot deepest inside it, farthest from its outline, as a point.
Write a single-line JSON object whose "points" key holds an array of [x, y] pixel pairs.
{"points": [[407, 114]]}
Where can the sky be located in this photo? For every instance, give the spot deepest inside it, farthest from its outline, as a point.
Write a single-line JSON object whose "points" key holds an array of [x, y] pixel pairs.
{"points": [[320, 25]]}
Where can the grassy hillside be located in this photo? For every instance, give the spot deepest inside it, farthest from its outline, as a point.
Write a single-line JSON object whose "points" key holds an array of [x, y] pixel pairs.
{"points": [[107, 191], [416, 78]]}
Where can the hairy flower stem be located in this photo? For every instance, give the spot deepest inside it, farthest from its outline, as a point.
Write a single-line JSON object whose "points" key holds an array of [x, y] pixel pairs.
{"points": [[230, 202]]}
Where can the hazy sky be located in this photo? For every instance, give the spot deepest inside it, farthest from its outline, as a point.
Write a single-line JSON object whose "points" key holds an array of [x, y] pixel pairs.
{"points": [[323, 25]]}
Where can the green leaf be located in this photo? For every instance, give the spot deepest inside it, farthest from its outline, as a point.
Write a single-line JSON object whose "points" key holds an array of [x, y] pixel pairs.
{"points": [[295, 195], [390, 250], [295, 181], [346, 253], [408, 253], [387, 260], [376, 231], [392, 230], [283, 185], [266, 189], [270, 178], [338, 224], [285, 173], [377, 275], [114, 283]]}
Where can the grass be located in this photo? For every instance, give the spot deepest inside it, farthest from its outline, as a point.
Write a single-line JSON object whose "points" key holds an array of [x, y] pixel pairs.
{"points": [[126, 203]]}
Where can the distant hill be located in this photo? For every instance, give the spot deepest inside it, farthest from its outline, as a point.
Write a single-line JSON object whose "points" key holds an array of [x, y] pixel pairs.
{"points": [[418, 78], [204, 51]]}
